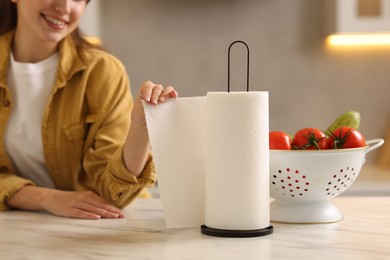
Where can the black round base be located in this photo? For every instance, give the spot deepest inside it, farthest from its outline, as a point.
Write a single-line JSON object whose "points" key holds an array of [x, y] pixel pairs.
{"points": [[236, 233]]}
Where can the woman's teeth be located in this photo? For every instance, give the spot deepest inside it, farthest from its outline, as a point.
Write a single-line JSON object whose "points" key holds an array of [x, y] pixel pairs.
{"points": [[55, 21]]}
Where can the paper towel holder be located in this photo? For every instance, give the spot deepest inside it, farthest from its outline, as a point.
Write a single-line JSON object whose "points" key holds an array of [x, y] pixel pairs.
{"points": [[234, 232], [247, 64]]}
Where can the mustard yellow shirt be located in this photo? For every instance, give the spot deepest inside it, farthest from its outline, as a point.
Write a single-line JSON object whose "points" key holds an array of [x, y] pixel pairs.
{"points": [[84, 127]]}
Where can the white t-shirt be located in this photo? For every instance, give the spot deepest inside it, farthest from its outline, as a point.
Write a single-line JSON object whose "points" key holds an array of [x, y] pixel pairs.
{"points": [[30, 85]]}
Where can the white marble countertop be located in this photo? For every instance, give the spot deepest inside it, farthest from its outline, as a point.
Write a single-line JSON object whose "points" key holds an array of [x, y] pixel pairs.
{"points": [[363, 234]]}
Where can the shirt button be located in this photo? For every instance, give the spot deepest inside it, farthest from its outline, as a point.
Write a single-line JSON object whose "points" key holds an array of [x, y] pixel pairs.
{"points": [[3, 169], [6, 103]]}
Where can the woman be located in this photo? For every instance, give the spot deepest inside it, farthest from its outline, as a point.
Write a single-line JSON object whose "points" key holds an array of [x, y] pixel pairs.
{"points": [[67, 146]]}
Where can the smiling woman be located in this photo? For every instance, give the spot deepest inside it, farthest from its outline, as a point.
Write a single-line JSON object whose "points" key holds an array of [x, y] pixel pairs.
{"points": [[8, 16], [43, 24], [74, 143]]}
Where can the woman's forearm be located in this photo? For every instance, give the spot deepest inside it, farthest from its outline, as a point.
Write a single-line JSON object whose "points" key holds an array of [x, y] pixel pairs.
{"points": [[29, 198], [137, 147]]}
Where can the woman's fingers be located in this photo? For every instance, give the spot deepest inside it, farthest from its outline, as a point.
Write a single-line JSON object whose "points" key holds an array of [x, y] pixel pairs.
{"points": [[154, 93], [157, 90], [100, 211], [97, 205], [146, 91], [82, 214], [169, 92]]}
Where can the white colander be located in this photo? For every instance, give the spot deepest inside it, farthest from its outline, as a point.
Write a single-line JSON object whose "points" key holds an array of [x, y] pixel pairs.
{"points": [[302, 183]]}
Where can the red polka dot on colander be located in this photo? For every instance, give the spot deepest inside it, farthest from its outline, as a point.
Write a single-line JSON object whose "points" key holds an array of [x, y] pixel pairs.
{"points": [[289, 177]]}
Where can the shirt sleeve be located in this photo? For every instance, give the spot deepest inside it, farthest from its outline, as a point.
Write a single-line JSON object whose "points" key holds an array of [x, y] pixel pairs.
{"points": [[126, 187], [9, 185], [103, 165]]}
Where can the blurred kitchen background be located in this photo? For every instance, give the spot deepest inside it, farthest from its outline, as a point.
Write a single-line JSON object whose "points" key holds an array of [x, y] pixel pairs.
{"points": [[184, 43]]}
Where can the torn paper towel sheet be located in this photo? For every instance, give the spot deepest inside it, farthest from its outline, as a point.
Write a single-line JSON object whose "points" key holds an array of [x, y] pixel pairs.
{"points": [[212, 159], [176, 131]]}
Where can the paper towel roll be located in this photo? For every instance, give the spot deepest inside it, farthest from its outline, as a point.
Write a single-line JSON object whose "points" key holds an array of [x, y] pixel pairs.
{"points": [[237, 161]]}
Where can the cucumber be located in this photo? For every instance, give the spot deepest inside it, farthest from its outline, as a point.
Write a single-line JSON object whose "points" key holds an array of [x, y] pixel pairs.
{"points": [[349, 119]]}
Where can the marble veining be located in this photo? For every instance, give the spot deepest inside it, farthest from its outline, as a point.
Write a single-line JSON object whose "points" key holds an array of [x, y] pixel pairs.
{"points": [[362, 234]]}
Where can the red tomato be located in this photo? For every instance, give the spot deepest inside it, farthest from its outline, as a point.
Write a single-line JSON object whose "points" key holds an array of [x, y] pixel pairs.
{"points": [[346, 137], [279, 141], [309, 139]]}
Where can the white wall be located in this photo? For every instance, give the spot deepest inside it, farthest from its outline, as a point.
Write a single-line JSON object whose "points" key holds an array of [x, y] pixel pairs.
{"points": [[184, 43], [90, 22]]}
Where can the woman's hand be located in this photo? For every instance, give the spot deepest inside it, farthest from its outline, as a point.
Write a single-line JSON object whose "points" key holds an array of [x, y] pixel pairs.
{"points": [[151, 93], [156, 93], [84, 205]]}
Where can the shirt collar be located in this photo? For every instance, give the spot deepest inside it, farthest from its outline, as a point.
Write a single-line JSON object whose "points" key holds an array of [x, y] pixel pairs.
{"points": [[70, 59]]}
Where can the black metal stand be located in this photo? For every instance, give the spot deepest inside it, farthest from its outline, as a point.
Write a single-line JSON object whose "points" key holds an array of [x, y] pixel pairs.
{"points": [[236, 233]]}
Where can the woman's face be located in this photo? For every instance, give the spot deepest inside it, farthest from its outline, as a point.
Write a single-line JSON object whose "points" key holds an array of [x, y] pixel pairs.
{"points": [[49, 20]]}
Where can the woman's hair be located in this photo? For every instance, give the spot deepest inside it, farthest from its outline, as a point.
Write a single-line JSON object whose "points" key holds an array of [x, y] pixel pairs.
{"points": [[8, 16], [8, 20]]}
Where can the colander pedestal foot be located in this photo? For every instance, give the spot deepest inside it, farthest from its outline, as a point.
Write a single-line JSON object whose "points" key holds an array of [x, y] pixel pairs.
{"points": [[304, 213]]}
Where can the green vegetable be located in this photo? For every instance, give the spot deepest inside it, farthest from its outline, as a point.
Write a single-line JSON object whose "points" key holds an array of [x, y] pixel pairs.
{"points": [[349, 119]]}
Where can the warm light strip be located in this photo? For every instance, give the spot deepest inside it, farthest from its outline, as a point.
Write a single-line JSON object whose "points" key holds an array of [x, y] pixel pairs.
{"points": [[358, 39]]}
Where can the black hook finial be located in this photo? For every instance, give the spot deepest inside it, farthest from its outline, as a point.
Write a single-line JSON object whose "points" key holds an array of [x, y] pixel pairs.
{"points": [[247, 69]]}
